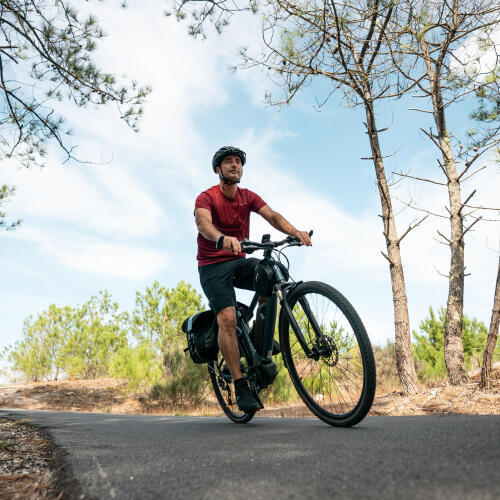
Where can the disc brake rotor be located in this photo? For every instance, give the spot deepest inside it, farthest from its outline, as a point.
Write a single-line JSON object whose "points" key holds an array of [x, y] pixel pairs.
{"points": [[326, 348]]}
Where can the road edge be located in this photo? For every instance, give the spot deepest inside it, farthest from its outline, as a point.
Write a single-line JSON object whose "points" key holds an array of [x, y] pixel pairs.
{"points": [[65, 484]]}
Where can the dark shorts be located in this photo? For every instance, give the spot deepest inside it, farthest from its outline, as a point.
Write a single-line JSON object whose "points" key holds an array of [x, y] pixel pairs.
{"points": [[218, 281]]}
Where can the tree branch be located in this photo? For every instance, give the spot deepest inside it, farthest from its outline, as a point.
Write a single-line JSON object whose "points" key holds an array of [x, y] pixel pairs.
{"points": [[473, 173], [387, 257], [410, 228], [465, 202], [419, 178], [443, 236], [465, 232]]}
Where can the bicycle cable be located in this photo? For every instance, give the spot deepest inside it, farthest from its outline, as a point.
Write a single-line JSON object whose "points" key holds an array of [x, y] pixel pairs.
{"points": [[279, 252]]}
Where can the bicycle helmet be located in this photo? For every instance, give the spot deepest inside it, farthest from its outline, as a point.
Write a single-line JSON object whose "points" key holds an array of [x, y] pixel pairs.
{"points": [[227, 151]]}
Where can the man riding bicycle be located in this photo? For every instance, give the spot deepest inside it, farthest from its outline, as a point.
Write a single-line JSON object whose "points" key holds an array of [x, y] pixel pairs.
{"points": [[223, 219]]}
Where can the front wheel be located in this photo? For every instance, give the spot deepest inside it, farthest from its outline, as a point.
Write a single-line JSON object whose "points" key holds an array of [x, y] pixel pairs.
{"points": [[222, 384], [330, 358]]}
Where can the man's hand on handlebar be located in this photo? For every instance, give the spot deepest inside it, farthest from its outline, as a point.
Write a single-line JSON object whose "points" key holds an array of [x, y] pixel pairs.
{"points": [[231, 244], [303, 237]]}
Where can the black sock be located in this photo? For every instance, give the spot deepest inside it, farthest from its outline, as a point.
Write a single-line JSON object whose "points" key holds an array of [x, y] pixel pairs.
{"points": [[239, 382]]}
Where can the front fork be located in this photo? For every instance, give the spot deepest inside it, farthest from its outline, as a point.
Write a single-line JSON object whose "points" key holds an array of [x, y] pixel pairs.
{"points": [[285, 309]]}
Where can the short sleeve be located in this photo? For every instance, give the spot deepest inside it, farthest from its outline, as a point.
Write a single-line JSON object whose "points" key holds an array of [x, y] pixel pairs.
{"points": [[203, 201], [256, 202]]}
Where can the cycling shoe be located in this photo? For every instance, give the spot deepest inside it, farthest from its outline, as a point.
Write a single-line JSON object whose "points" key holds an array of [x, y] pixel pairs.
{"points": [[244, 398]]}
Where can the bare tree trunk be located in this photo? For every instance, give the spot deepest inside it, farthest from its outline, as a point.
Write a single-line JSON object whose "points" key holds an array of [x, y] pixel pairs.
{"points": [[404, 358], [453, 347], [491, 341]]}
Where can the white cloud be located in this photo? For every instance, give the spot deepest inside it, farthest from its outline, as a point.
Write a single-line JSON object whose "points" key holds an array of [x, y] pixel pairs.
{"points": [[106, 199], [110, 259], [124, 199], [82, 252]]}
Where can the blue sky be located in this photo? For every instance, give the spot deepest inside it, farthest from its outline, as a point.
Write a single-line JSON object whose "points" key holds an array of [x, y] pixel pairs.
{"points": [[123, 224]]}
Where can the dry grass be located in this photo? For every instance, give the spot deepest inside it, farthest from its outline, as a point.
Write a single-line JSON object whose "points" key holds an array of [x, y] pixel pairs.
{"points": [[466, 399], [102, 395], [111, 396]]}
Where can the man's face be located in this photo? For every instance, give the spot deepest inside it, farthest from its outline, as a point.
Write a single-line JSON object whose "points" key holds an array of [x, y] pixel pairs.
{"points": [[231, 167]]}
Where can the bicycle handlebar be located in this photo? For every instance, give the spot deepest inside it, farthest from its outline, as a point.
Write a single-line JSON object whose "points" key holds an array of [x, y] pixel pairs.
{"points": [[252, 246]]}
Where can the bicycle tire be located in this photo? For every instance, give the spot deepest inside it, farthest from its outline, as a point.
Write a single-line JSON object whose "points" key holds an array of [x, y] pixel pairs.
{"points": [[222, 382], [343, 393]]}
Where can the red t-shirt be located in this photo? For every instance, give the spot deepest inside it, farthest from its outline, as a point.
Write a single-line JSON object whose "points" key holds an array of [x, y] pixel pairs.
{"points": [[230, 217]]}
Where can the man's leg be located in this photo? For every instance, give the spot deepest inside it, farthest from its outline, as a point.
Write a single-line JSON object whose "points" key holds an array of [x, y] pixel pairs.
{"points": [[217, 283], [228, 342]]}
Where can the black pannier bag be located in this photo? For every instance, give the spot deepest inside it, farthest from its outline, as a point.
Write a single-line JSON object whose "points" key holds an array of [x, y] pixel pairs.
{"points": [[264, 279], [201, 331]]}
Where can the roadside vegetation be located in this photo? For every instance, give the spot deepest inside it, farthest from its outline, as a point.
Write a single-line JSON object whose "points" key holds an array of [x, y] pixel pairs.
{"points": [[145, 347]]}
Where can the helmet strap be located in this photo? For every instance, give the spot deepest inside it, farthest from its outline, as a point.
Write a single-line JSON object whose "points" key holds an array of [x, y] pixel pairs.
{"points": [[225, 180]]}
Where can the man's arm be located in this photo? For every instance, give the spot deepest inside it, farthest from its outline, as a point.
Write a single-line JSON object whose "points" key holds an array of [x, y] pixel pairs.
{"points": [[203, 219], [281, 224]]}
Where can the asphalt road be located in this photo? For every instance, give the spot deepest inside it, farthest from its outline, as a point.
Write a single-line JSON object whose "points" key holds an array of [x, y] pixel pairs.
{"points": [[146, 457]]}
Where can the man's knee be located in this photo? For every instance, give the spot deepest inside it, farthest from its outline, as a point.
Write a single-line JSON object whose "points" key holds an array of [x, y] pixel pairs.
{"points": [[227, 318]]}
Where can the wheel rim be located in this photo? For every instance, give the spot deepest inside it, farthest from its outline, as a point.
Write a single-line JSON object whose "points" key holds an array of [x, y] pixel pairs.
{"points": [[332, 380]]}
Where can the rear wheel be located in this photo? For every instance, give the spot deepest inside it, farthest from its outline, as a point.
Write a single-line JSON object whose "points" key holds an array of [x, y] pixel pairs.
{"points": [[222, 383], [330, 360]]}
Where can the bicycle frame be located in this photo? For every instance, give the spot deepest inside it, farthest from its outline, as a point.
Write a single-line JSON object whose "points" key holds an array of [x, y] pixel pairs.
{"points": [[281, 290]]}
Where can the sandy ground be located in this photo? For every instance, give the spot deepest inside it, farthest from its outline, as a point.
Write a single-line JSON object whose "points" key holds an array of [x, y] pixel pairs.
{"points": [[112, 396]]}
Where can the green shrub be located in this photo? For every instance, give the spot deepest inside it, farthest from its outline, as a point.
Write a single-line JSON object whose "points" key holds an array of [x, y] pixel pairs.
{"points": [[92, 340], [428, 347], [30, 355], [186, 382], [139, 365]]}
